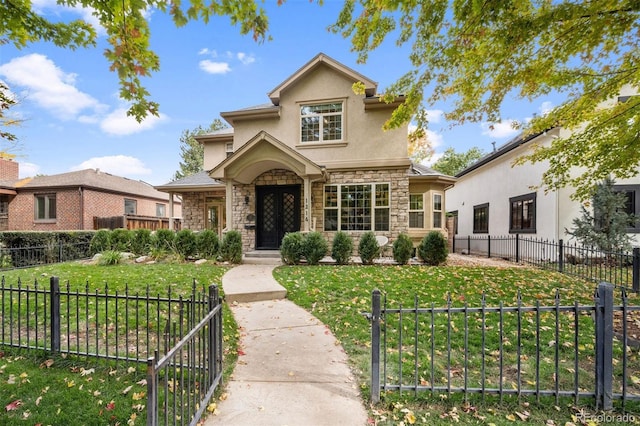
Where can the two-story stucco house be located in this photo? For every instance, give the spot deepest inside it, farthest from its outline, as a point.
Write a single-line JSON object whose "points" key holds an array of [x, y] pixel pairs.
{"points": [[493, 197], [314, 157]]}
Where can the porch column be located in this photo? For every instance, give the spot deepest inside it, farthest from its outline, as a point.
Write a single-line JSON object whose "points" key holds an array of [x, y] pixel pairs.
{"points": [[229, 204], [307, 204], [171, 215]]}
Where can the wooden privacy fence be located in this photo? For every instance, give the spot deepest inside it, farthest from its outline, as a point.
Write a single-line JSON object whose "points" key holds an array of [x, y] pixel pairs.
{"points": [[135, 222], [574, 350]]}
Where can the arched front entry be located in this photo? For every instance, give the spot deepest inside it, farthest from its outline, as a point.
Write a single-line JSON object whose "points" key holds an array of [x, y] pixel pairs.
{"points": [[277, 212]]}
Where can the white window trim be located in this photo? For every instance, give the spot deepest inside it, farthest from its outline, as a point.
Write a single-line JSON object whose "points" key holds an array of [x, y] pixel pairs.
{"points": [[322, 143], [434, 211], [338, 208], [422, 210]]}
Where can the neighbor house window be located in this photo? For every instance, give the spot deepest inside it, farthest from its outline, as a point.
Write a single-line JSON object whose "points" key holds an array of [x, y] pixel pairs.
{"points": [[4, 205], [522, 213], [45, 206], [481, 219], [229, 148], [321, 122], [161, 210], [631, 207], [437, 210], [416, 211], [130, 206], [356, 207]]}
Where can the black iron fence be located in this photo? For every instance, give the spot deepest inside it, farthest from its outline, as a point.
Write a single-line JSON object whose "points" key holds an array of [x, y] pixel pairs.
{"points": [[20, 257], [619, 268], [574, 350]]}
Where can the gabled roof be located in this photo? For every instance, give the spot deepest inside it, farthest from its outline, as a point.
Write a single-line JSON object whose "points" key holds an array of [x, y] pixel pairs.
{"points": [[93, 179], [198, 181], [322, 59]]}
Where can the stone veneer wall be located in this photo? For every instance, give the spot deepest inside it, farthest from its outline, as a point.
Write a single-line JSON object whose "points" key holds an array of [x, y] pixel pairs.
{"points": [[194, 208], [242, 212], [399, 200]]}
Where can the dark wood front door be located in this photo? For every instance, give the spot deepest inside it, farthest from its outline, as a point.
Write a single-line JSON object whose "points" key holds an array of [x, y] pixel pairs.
{"points": [[278, 212]]}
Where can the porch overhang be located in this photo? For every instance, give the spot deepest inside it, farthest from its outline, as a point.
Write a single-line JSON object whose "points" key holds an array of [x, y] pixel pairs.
{"points": [[261, 154]]}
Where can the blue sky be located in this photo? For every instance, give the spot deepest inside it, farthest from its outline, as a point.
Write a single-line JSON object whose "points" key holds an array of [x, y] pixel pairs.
{"points": [[74, 119]]}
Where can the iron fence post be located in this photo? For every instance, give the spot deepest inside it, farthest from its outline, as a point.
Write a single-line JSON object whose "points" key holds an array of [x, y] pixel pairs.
{"points": [[635, 273], [54, 286], [213, 330], [468, 244], [560, 256], [152, 392], [604, 346], [375, 346], [517, 248], [489, 246]]}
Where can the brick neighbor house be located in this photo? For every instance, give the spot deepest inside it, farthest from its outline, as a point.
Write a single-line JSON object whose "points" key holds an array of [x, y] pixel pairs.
{"points": [[314, 158], [78, 200]]}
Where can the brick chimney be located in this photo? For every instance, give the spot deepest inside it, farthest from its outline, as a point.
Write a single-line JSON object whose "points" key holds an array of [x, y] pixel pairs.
{"points": [[8, 169]]}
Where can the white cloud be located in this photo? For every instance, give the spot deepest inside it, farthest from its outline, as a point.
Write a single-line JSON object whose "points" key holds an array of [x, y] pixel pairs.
{"points": [[434, 115], [48, 86], [501, 130], [436, 139], [207, 51], [28, 170], [214, 67], [546, 107], [85, 13], [119, 123], [120, 165], [246, 59]]}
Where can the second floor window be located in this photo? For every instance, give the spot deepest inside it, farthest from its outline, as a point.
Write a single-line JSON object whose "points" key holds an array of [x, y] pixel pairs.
{"points": [[130, 206], [45, 206], [228, 147], [321, 122]]}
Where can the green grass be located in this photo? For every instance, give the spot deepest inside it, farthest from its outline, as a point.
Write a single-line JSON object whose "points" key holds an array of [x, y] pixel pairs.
{"points": [[338, 295], [85, 391]]}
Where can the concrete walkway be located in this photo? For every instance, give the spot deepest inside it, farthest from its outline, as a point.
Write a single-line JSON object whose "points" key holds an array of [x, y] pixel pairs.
{"points": [[291, 370]]}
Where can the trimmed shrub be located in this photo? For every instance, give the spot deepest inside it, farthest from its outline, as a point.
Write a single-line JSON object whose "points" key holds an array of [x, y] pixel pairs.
{"points": [[186, 243], [368, 248], [231, 248], [433, 249], [208, 244], [163, 239], [342, 248], [121, 239], [141, 241], [314, 247], [100, 242], [291, 248], [402, 249]]}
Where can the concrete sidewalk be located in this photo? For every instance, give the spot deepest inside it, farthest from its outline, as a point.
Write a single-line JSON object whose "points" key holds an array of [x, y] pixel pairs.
{"points": [[292, 371]]}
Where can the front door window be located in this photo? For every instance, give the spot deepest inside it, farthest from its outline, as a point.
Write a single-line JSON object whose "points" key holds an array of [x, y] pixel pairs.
{"points": [[278, 212]]}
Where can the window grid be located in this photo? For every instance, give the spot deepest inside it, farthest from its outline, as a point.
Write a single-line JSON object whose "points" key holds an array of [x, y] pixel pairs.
{"points": [[320, 123], [45, 207], [356, 207], [523, 213], [481, 219], [416, 211], [437, 210]]}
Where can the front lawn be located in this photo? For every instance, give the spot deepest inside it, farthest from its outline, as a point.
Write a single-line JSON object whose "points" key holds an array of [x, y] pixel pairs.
{"points": [[338, 296], [39, 388]]}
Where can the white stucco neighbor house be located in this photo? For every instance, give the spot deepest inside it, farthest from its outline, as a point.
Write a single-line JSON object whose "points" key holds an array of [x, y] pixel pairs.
{"points": [[314, 157], [493, 197]]}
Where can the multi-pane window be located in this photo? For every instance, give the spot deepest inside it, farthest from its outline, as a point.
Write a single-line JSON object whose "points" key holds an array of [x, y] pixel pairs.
{"points": [[631, 206], [321, 122], [130, 206], [356, 207], [45, 206], [523, 213], [228, 147], [437, 210], [481, 219], [416, 211], [161, 210]]}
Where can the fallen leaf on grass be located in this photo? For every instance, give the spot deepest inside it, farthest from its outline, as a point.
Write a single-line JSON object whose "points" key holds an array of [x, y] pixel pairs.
{"points": [[127, 389], [142, 382], [38, 399], [111, 405], [46, 364], [137, 396], [13, 405], [84, 372]]}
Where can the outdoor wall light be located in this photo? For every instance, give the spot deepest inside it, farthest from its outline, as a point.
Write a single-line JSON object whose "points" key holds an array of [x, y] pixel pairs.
{"points": [[246, 200]]}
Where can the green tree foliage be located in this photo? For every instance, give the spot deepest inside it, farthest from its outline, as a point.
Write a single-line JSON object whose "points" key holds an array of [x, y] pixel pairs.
{"points": [[192, 151], [433, 249], [231, 247], [451, 163], [402, 249], [341, 248], [314, 247], [291, 248], [474, 54], [7, 120], [208, 244], [368, 248], [604, 227]]}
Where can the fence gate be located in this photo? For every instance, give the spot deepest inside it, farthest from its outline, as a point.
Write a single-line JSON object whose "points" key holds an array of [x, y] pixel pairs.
{"points": [[180, 383]]}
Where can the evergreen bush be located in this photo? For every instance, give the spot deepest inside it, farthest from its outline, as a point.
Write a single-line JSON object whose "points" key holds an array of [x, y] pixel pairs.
{"points": [[163, 240], [291, 248], [341, 248], [231, 248], [433, 249], [314, 247], [368, 248], [100, 242], [141, 241], [402, 249], [208, 244], [121, 240], [186, 243]]}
